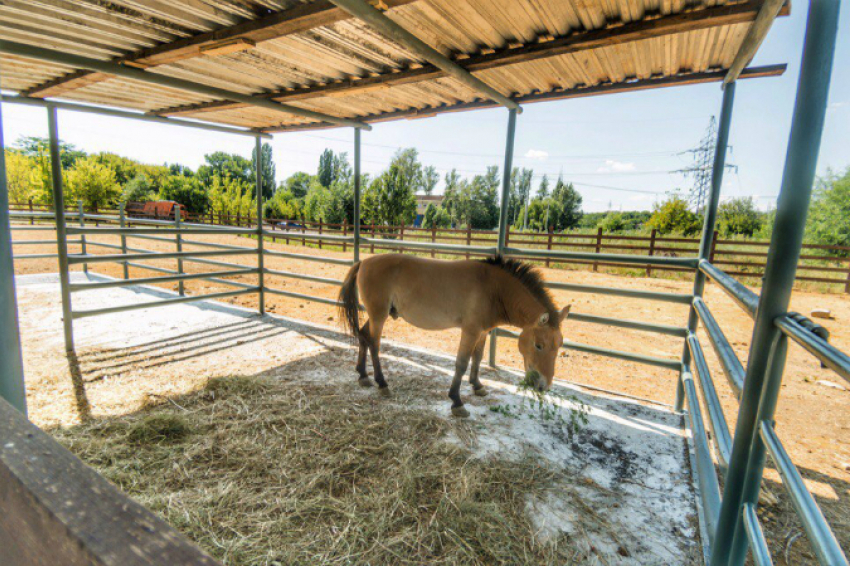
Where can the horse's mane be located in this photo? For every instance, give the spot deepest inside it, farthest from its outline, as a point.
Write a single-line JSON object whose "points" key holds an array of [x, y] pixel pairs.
{"points": [[531, 279]]}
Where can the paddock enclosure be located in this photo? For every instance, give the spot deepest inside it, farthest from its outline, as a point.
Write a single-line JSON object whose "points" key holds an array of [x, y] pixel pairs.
{"points": [[618, 482]]}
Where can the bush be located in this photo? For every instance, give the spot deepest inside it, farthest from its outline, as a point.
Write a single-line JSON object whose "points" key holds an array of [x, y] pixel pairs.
{"points": [[92, 183], [187, 191], [282, 205], [612, 222], [673, 215], [139, 189], [829, 216], [739, 216]]}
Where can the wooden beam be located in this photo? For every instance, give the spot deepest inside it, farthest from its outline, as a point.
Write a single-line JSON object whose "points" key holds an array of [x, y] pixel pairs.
{"points": [[57, 510], [558, 94], [755, 35], [616, 35], [300, 18]]}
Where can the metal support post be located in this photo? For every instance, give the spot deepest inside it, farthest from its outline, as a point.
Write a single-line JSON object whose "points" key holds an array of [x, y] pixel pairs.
{"points": [[121, 218], [709, 223], [61, 233], [178, 219], [260, 264], [503, 209], [356, 195], [12, 387], [82, 215], [760, 390]]}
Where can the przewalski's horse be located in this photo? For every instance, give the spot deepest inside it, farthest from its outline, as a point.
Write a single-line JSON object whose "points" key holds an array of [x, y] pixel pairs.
{"points": [[475, 296]]}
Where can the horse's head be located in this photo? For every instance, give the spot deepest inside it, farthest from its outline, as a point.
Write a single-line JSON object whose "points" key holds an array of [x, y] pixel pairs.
{"points": [[539, 344]]}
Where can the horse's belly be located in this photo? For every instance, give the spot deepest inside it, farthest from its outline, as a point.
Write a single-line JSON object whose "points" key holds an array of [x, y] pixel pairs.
{"points": [[429, 319]]}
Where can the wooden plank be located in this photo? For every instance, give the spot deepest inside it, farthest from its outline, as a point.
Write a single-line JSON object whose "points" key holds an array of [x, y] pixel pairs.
{"points": [[57, 510], [300, 18], [631, 86], [572, 43]]}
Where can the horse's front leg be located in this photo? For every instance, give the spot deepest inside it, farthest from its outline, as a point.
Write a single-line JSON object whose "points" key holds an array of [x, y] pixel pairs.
{"points": [[477, 356], [468, 341]]}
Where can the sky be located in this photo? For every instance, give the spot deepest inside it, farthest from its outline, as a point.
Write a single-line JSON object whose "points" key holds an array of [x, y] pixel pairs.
{"points": [[621, 151]]}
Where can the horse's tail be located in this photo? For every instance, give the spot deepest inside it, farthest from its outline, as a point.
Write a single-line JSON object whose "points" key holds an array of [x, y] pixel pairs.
{"points": [[349, 302]]}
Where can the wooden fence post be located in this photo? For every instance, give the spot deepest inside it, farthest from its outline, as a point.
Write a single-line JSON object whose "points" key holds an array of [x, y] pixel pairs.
{"points": [[320, 232], [847, 285], [238, 218], [433, 237], [401, 237], [96, 223], [373, 239], [468, 237], [713, 248], [651, 251], [598, 247], [32, 218], [303, 231], [549, 243], [345, 234]]}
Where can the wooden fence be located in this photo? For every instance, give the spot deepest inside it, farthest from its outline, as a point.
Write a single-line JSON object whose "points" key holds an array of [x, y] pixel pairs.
{"points": [[739, 257]]}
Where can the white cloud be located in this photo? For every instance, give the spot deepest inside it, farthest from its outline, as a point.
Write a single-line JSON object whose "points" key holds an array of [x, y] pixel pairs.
{"points": [[538, 154], [612, 166], [837, 105]]}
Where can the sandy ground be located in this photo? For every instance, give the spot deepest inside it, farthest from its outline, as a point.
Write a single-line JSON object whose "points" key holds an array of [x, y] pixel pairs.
{"points": [[812, 418], [628, 462]]}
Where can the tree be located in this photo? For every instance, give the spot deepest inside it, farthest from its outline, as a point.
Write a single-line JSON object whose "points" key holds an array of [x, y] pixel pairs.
{"points": [[430, 215], [268, 169], [543, 189], [187, 191], [450, 193], [612, 222], [92, 183], [430, 178], [673, 215], [476, 204], [19, 169], [389, 199], [520, 191], [32, 146], [298, 184], [568, 206], [139, 189], [283, 204], [231, 196], [325, 174], [739, 216], [222, 164], [829, 217]]}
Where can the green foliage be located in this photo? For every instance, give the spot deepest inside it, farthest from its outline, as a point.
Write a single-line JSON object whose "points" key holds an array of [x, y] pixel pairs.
{"points": [[298, 184], [221, 164], [268, 170], [232, 196], [633, 219], [139, 189], [520, 191], [673, 215], [829, 217], [32, 146], [19, 180], [738, 217], [128, 169], [612, 222], [333, 167], [543, 189], [283, 205], [429, 216], [91, 182], [476, 203], [389, 199], [187, 191], [568, 201], [430, 178]]}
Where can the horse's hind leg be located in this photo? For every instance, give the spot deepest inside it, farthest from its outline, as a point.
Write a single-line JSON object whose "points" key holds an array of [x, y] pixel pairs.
{"points": [[363, 339], [376, 327], [477, 356], [468, 341]]}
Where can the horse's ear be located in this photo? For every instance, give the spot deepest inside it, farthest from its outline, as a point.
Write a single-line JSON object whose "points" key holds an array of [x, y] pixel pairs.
{"points": [[564, 312], [544, 318]]}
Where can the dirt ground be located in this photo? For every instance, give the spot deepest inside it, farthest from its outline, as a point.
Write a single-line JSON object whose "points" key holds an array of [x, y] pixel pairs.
{"points": [[812, 418]]}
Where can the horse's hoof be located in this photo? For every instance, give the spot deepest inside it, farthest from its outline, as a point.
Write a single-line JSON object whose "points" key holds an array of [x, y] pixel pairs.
{"points": [[365, 382], [385, 391], [481, 391], [460, 412]]}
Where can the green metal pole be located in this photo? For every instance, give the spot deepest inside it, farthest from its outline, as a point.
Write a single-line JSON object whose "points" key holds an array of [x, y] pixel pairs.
{"points": [[356, 195], [708, 226], [121, 219], [788, 228], [82, 215], [258, 164], [12, 387], [61, 233], [503, 209], [178, 217]]}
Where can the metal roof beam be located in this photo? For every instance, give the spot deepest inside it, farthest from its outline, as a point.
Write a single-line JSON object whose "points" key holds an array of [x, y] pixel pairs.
{"points": [[611, 88], [693, 20], [755, 35], [387, 27], [33, 52]]}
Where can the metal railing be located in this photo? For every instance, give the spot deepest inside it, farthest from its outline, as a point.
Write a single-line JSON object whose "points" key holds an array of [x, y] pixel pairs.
{"points": [[730, 520]]}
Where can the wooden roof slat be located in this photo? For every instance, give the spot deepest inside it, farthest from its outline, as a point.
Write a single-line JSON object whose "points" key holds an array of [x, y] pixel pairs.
{"points": [[572, 43], [295, 20]]}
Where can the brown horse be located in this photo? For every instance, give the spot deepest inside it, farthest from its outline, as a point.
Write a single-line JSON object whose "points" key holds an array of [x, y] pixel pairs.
{"points": [[475, 296]]}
